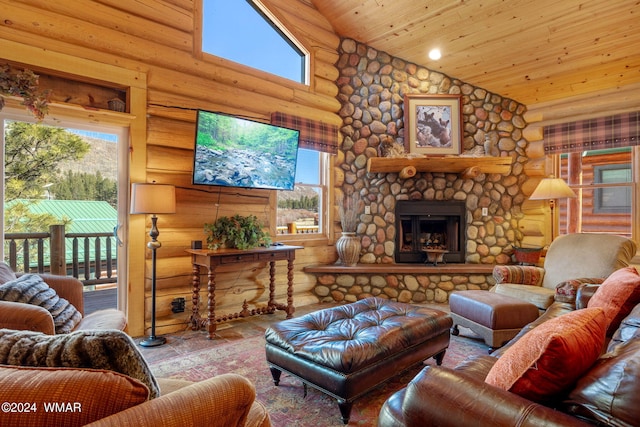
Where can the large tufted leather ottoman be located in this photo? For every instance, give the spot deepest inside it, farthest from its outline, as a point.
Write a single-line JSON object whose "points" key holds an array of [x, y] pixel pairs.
{"points": [[348, 350], [496, 318]]}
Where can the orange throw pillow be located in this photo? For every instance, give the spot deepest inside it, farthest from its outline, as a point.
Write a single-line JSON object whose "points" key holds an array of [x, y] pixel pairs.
{"points": [[617, 296], [551, 357]]}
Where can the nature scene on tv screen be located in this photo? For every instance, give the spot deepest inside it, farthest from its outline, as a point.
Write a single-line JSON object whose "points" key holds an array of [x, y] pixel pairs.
{"points": [[231, 151]]}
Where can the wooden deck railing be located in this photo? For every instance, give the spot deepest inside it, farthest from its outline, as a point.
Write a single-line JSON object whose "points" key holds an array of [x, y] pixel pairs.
{"points": [[92, 254]]}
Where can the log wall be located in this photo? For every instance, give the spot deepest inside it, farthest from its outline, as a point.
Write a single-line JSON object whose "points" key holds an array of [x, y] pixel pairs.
{"points": [[156, 40]]}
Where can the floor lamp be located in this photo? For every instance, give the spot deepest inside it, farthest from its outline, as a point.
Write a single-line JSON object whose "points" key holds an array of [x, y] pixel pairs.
{"points": [[153, 199], [552, 189]]}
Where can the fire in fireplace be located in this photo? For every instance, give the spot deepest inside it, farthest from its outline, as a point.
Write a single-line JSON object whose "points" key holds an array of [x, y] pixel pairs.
{"points": [[437, 228]]}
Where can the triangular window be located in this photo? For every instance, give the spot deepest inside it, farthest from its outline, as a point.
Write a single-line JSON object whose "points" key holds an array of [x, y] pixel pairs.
{"points": [[245, 32]]}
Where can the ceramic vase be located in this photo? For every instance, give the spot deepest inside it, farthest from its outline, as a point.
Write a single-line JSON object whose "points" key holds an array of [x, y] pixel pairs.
{"points": [[348, 247]]}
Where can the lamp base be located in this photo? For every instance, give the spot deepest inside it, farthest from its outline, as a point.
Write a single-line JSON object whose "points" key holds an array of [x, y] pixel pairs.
{"points": [[153, 341]]}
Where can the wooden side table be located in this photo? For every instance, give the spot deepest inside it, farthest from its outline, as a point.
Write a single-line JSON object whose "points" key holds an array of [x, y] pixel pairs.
{"points": [[211, 259]]}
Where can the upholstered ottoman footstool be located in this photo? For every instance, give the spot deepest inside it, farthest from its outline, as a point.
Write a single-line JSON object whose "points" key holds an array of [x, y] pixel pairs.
{"points": [[496, 318], [348, 350]]}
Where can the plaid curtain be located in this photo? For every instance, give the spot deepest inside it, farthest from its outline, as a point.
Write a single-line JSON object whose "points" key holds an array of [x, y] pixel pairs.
{"points": [[313, 135], [622, 130]]}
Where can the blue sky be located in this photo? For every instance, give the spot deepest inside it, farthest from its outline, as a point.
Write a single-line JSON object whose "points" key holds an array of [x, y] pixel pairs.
{"points": [[234, 30]]}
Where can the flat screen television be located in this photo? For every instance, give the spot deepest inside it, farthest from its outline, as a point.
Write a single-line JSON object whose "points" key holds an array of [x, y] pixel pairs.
{"points": [[236, 152]]}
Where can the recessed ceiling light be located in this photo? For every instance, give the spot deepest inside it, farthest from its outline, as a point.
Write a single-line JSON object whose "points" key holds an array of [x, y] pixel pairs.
{"points": [[435, 54]]}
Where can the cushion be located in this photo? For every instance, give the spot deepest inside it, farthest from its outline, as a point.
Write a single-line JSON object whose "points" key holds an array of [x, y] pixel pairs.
{"points": [[110, 350], [82, 395], [536, 295], [32, 289], [617, 296], [109, 318], [610, 391], [6, 273], [522, 275], [566, 291], [551, 357]]}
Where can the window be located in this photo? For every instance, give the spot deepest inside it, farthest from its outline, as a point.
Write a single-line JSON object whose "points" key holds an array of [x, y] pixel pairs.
{"points": [[245, 32], [615, 199], [603, 181], [300, 211]]}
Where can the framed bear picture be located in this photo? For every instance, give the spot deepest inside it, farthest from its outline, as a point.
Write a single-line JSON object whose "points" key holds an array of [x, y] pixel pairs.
{"points": [[433, 124]]}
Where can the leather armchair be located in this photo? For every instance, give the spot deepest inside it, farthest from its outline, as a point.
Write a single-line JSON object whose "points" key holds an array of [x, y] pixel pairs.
{"points": [[572, 256], [20, 316]]}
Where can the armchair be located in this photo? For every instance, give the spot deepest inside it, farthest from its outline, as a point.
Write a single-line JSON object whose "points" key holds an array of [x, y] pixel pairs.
{"points": [[572, 256], [100, 377], [20, 316]]}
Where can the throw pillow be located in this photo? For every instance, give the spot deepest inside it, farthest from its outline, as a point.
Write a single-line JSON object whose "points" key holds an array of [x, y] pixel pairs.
{"points": [[608, 392], [109, 350], [551, 357], [32, 289], [6, 273], [520, 274], [566, 291], [65, 397], [617, 296]]}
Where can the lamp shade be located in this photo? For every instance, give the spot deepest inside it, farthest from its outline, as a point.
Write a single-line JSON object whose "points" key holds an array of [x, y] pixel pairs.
{"points": [[153, 198], [552, 188]]}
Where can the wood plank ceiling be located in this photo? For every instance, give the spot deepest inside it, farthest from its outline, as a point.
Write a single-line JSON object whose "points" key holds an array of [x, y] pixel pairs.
{"points": [[532, 51]]}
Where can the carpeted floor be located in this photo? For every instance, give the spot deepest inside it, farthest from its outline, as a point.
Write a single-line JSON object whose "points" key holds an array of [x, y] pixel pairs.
{"points": [[239, 348]]}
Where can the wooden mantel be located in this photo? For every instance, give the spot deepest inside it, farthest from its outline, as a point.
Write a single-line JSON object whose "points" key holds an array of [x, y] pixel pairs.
{"points": [[469, 166]]}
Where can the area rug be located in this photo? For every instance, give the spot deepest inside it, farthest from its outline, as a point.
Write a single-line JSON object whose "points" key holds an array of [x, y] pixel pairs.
{"points": [[285, 403]]}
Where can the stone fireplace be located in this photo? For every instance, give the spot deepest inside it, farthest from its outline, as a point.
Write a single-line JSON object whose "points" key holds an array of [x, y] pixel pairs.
{"points": [[372, 85], [429, 225]]}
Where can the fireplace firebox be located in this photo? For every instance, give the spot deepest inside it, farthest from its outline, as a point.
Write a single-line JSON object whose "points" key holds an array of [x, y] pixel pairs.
{"points": [[430, 226]]}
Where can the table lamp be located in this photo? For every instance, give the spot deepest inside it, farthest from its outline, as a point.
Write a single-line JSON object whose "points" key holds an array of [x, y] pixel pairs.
{"points": [[153, 199], [552, 189]]}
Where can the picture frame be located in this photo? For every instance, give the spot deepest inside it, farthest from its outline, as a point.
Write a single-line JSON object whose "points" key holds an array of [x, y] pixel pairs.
{"points": [[433, 124]]}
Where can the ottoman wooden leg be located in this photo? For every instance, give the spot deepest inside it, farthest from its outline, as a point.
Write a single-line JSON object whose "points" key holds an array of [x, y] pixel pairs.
{"points": [[439, 357], [275, 373], [345, 410]]}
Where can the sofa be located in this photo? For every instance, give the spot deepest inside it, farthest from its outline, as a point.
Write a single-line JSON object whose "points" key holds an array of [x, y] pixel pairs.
{"points": [[35, 302], [99, 378], [580, 255], [551, 390]]}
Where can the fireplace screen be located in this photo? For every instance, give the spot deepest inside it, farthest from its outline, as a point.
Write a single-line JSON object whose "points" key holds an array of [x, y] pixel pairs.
{"points": [[430, 227]]}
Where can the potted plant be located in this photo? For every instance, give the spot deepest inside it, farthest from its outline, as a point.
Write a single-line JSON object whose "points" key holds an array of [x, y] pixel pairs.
{"points": [[23, 84], [348, 245], [241, 232]]}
